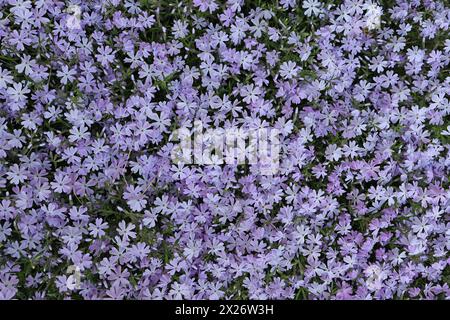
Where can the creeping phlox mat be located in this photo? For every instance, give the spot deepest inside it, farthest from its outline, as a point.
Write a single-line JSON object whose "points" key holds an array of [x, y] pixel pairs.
{"points": [[206, 149]]}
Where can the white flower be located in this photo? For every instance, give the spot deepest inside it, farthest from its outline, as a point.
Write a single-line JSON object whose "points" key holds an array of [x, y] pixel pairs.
{"points": [[313, 7], [5, 78], [375, 276], [446, 132], [373, 16], [180, 29], [288, 70], [74, 19], [73, 281], [18, 92]]}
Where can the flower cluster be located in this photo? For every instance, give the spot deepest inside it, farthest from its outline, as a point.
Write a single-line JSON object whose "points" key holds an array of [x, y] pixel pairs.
{"points": [[93, 207]]}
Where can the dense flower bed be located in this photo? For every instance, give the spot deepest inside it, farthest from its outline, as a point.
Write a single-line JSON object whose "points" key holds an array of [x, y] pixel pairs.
{"points": [[92, 205]]}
